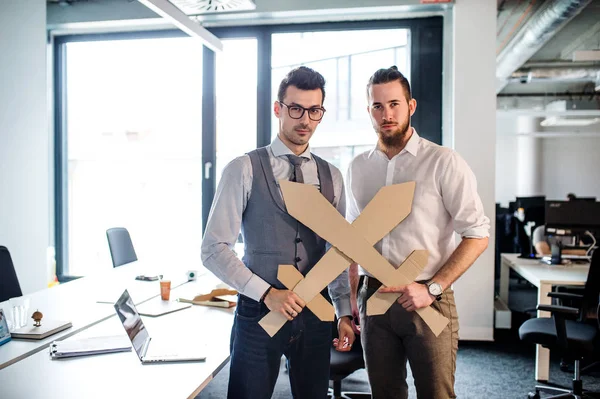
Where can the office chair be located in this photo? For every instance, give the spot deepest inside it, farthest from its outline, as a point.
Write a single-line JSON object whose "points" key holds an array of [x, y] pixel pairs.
{"points": [[120, 245], [343, 364], [575, 301], [9, 283], [571, 331]]}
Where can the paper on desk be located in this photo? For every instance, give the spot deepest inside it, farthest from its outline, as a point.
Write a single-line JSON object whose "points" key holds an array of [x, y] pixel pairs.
{"points": [[219, 297]]}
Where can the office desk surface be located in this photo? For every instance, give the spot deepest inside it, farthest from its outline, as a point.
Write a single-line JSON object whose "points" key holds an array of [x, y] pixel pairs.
{"points": [[121, 375], [77, 302], [538, 273]]}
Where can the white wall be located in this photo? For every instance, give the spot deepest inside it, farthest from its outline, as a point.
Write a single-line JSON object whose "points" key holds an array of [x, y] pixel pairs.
{"points": [[571, 166], [24, 139], [506, 162], [474, 138], [565, 165], [529, 176]]}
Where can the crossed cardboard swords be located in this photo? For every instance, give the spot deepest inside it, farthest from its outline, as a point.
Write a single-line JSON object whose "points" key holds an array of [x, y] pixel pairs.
{"points": [[350, 242]]}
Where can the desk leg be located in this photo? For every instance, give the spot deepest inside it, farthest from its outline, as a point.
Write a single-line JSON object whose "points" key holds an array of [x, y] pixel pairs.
{"points": [[504, 280], [542, 358]]}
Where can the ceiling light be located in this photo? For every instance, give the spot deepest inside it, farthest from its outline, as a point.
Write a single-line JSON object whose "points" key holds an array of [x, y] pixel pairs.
{"points": [[178, 18], [558, 121], [196, 7]]}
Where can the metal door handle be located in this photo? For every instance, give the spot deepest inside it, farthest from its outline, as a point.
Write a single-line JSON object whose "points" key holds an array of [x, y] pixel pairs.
{"points": [[207, 167]]}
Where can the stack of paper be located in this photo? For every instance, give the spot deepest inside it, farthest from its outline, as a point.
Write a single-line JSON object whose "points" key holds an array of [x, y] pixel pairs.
{"points": [[220, 297]]}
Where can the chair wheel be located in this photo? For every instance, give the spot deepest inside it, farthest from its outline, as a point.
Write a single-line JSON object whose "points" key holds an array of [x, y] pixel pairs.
{"points": [[532, 395]]}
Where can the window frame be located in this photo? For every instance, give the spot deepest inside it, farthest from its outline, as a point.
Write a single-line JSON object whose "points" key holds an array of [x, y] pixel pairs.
{"points": [[426, 58]]}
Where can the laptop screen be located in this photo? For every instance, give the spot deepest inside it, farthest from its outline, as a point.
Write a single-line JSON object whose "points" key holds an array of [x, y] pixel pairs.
{"points": [[132, 322]]}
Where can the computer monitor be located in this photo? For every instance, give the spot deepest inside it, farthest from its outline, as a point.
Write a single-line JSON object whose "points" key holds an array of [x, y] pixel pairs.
{"points": [[533, 208], [593, 199], [570, 218]]}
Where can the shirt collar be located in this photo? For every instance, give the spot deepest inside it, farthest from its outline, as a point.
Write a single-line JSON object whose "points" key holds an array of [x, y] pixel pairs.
{"points": [[412, 147], [279, 149]]}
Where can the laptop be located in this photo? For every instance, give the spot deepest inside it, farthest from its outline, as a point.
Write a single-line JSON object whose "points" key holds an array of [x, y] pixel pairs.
{"points": [[150, 351]]}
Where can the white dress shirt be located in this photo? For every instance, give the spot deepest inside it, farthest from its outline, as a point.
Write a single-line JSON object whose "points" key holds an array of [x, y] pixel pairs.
{"points": [[445, 200], [225, 219]]}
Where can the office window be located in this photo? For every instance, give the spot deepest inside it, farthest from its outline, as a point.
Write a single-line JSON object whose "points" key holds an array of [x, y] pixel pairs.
{"points": [[236, 104], [134, 147], [236, 100], [141, 144], [346, 58]]}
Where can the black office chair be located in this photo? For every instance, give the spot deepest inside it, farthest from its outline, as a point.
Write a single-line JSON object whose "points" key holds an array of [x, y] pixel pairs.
{"points": [[575, 301], [574, 332], [9, 283], [343, 364], [121, 247]]}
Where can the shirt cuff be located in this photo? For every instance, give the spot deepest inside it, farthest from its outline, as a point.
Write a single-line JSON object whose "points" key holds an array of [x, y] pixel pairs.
{"points": [[255, 288], [477, 232], [343, 308]]}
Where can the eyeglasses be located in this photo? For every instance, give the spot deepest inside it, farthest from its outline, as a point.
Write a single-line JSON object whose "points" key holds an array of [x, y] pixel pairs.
{"points": [[297, 112]]}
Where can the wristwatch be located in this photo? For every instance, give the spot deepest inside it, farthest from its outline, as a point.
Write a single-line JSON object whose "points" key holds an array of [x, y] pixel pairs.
{"points": [[434, 290]]}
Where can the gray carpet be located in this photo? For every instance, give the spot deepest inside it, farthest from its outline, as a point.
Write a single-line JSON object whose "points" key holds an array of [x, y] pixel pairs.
{"points": [[500, 369]]}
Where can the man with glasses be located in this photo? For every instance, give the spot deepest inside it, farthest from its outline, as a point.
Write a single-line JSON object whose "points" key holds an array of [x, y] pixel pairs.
{"points": [[445, 202], [248, 198]]}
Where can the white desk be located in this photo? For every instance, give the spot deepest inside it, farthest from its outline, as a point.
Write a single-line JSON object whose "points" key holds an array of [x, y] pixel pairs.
{"points": [[121, 375], [544, 277], [76, 301]]}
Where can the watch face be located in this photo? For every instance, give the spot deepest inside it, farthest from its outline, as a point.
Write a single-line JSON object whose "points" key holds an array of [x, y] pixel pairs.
{"points": [[435, 289]]}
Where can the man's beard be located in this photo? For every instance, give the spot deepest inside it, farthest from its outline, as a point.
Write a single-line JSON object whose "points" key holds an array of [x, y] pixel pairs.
{"points": [[394, 139], [289, 134]]}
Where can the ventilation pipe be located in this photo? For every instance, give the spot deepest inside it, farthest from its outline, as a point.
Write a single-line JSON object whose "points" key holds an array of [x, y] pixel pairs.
{"points": [[540, 28], [551, 74]]}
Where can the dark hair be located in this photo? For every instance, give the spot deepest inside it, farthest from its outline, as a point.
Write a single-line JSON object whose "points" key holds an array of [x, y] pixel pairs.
{"points": [[386, 75], [571, 196], [304, 78]]}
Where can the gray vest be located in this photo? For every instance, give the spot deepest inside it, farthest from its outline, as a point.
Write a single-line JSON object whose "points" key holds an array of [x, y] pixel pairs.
{"points": [[272, 237]]}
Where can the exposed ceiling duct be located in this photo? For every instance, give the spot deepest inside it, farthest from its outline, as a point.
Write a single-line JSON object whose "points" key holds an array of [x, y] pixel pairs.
{"points": [[570, 120], [540, 28], [555, 74]]}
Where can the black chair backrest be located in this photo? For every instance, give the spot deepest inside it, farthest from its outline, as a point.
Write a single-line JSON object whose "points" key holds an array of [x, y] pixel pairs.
{"points": [[121, 247], [9, 283], [592, 285]]}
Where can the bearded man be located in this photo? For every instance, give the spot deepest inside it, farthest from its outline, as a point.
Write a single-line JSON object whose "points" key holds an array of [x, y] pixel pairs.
{"points": [[445, 201]]}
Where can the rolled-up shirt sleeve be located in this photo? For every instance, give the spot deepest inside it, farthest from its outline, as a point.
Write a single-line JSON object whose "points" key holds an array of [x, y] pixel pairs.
{"points": [[459, 193], [223, 228], [339, 289]]}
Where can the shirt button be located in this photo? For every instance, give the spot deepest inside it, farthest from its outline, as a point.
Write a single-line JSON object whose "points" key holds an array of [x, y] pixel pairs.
{"points": [[298, 259], [298, 240]]}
